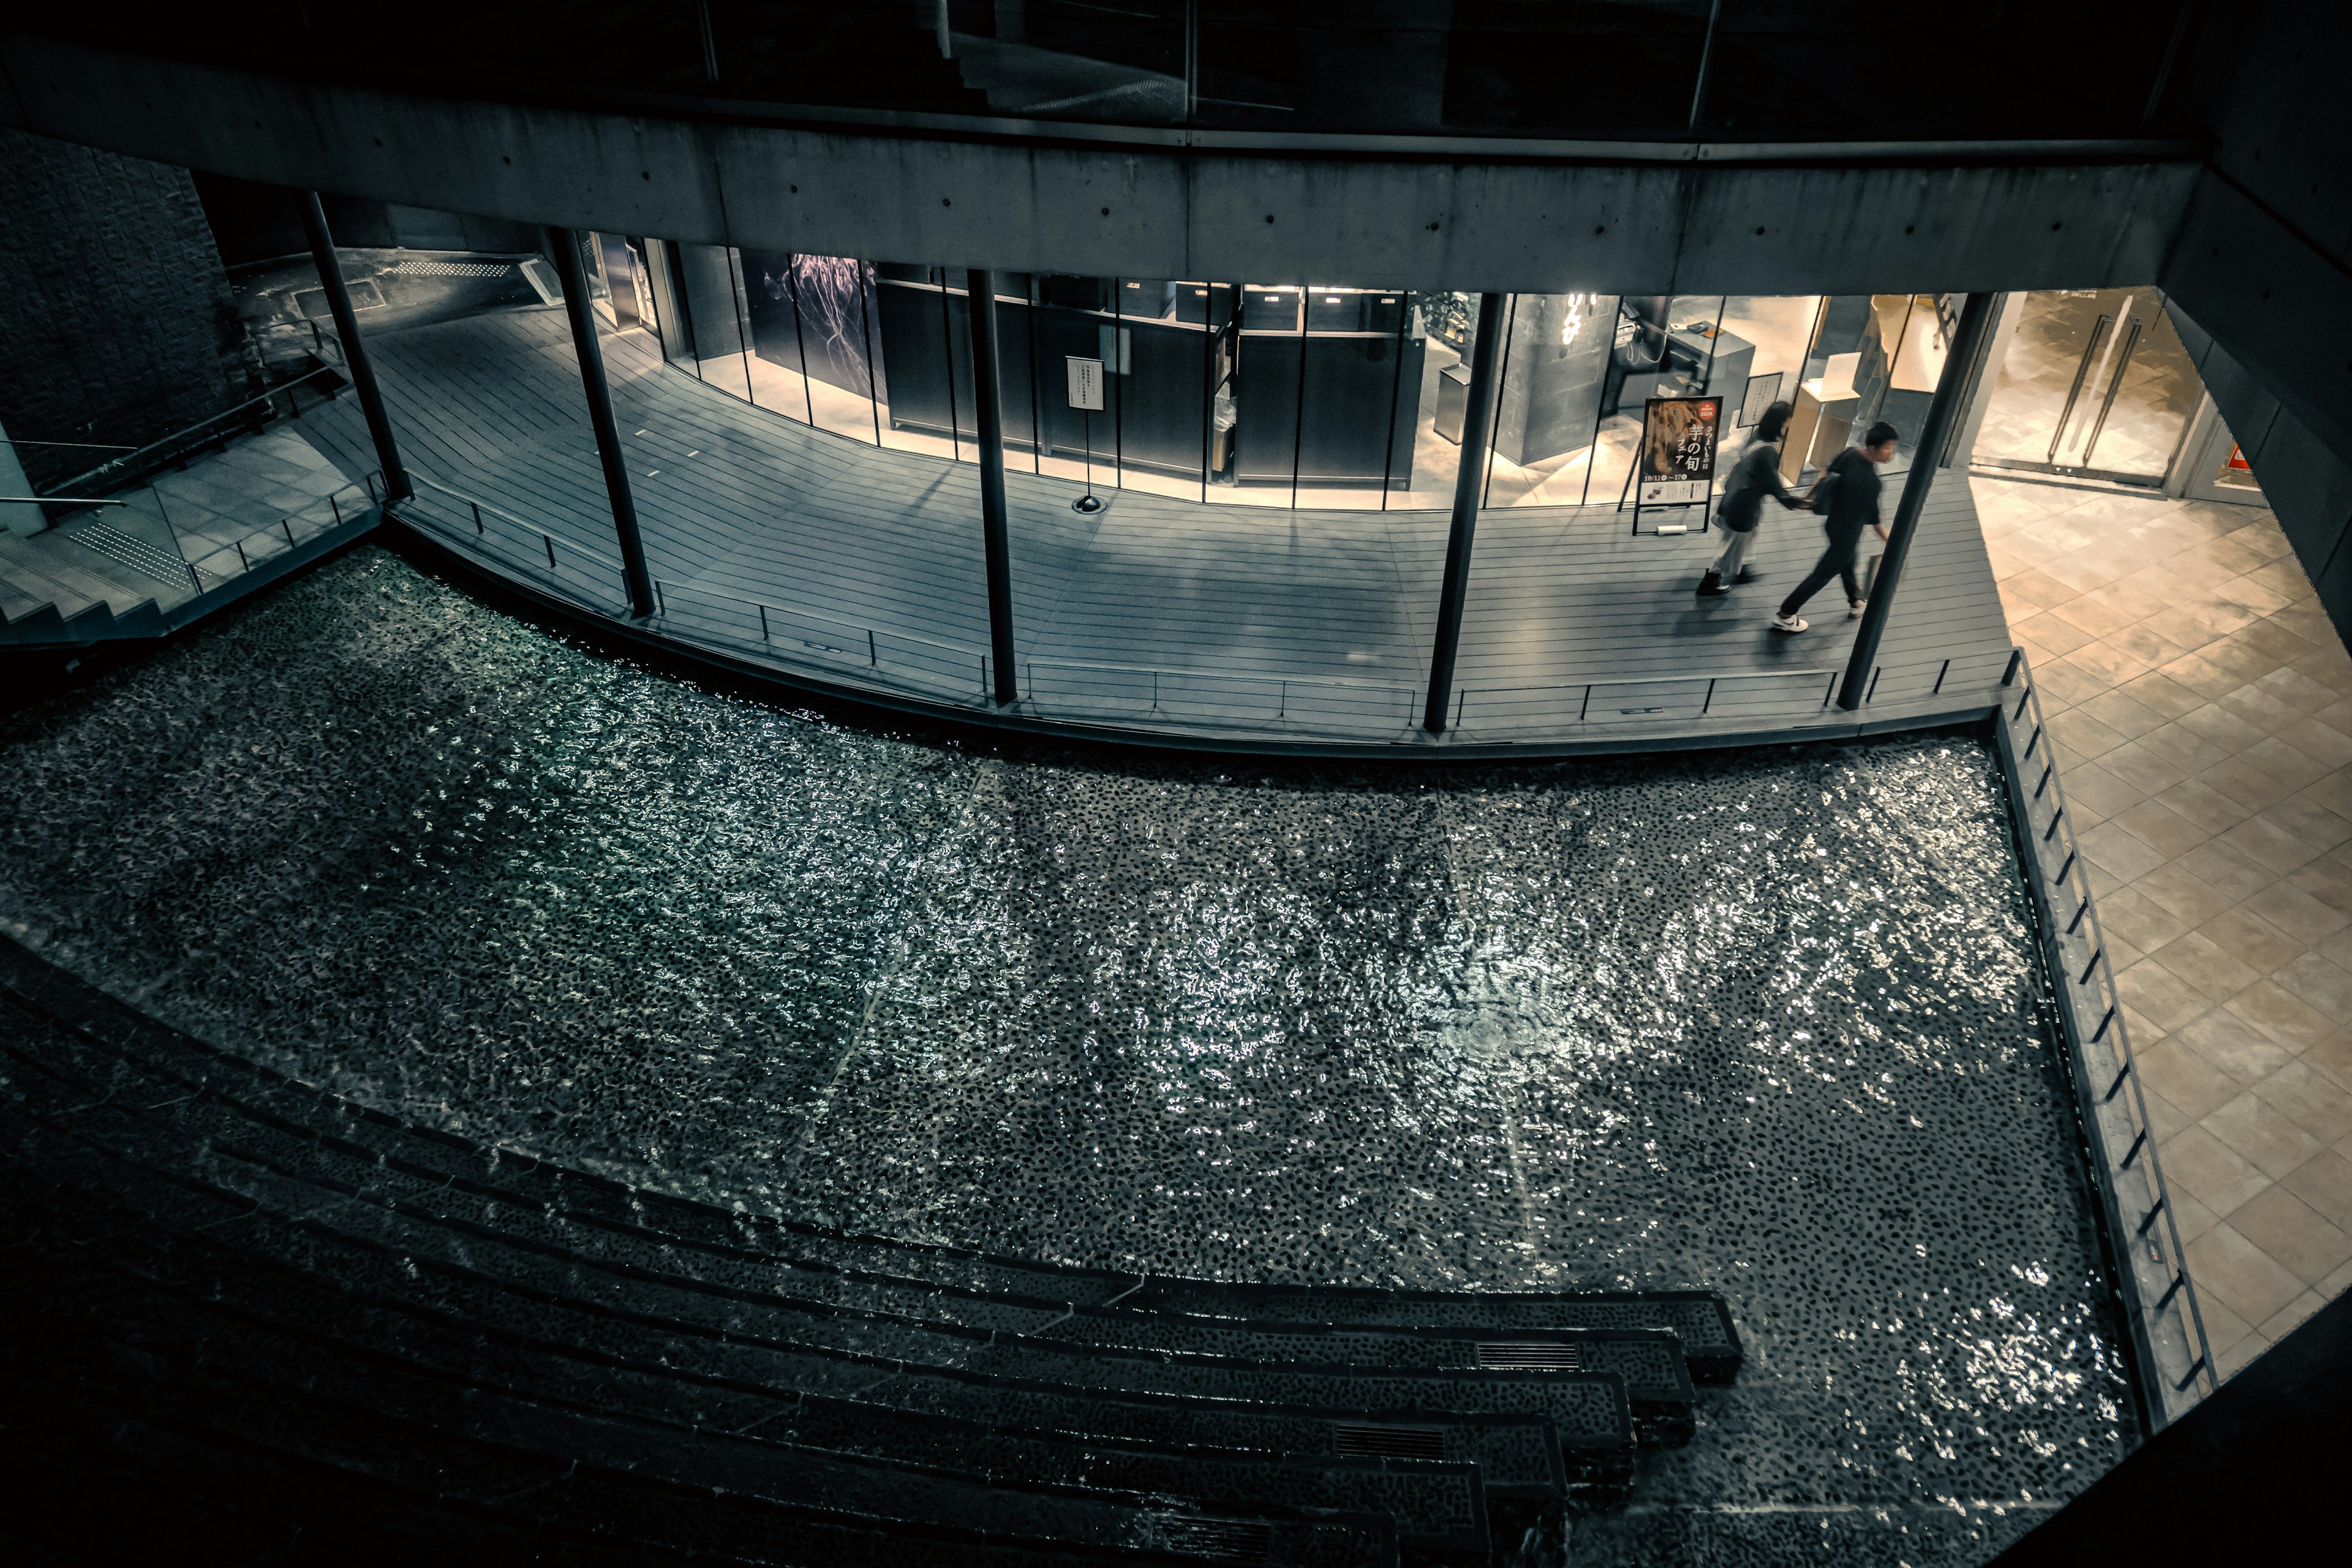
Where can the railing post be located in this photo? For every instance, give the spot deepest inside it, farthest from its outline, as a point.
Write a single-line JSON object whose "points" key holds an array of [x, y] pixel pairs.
{"points": [[987, 408], [1968, 343], [1477, 417], [355, 359], [565, 244]]}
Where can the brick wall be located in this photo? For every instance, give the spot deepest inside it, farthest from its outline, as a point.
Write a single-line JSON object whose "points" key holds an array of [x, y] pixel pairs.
{"points": [[120, 325]]}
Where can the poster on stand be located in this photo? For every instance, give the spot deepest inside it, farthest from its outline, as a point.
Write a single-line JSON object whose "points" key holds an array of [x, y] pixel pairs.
{"points": [[1677, 466]]}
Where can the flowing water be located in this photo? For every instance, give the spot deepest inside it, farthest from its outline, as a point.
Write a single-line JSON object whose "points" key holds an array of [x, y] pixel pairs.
{"points": [[1767, 1021]]}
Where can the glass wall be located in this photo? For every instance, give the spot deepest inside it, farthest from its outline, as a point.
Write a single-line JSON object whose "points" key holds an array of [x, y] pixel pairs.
{"points": [[1260, 394], [2095, 381]]}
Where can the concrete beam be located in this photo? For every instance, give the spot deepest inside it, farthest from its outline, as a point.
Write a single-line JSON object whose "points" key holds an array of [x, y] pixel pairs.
{"points": [[1505, 221]]}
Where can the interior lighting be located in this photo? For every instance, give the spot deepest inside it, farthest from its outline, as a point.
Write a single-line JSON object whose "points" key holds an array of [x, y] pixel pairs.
{"points": [[1575, 322]]}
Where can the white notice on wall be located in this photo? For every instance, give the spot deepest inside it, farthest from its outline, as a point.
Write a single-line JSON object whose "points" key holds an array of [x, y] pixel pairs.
{"points": [[1085, 383]]}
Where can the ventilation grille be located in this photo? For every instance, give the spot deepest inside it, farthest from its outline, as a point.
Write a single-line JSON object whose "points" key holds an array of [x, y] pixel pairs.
{"points": [[1534, 1356], [1355, 1438], [454, 268], [1226, 1539]]}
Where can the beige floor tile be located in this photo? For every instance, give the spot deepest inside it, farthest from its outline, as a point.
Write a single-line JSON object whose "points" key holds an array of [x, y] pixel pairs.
{"points": [[2185, 749], [2311, 1100], [2126, 857], [2121, 954], [2293, 1316], [2328, 879], [2224, 869], [2319, 984], [2255, 1285], [2296, 770], [2297, 914], [2046, 634], [2324, 1182], [2249, 1350], [2165, 1120], [2234, 1045], [2096, 613], [2146, 771], [2332, 1058], [2205, 965], [2262, 1134], [2163, 829], [2181, 891], [2286, 1227], [2061, 678], [2283, 1015], [2298, 690], [2337, 716], [2329, 747], [2335, 790], [2225, 1330], [2254, 704], [2238, 778], [2199, 674], [2126, 716], [2115, 659], [2159, 993], [2091, 788], [2192, 1086], [2203, 803], [2216, 1174], [2160, 693], [2032, 589], [2190, 1215], [2142, 922], [2265, 839], [2223, 727], [2241, 932]]}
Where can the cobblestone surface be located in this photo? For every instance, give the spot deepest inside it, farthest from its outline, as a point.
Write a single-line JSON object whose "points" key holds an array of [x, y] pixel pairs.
{"points": [[1768, 1021]]}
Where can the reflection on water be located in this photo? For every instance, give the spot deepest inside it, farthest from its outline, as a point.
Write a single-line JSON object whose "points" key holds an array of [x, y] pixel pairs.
{"points": [[1767, 1021]]}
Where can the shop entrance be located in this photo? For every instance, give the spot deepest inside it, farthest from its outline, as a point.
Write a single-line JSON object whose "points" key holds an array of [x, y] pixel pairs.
{"points": [[2095, 385]]}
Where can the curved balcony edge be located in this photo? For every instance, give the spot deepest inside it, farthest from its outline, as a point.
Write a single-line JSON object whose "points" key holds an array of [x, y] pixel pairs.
{"points": [[1974, 697]]}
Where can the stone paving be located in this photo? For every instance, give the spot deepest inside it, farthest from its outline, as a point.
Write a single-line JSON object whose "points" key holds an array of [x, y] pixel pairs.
{"points": [[2201, 706]]}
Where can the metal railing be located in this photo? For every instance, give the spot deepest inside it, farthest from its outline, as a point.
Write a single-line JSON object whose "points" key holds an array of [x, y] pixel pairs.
{"points": [[1730, 697], [1089, 690], [218, 430], [2167, 1326], [264, 544]]}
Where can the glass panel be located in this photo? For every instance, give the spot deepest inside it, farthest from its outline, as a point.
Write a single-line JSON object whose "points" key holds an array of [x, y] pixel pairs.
{"points": [[1264, 388], [1555, 369], [714, 320], [2094, 380], [1444, 322], [925, 404], [1775, 64], [778, 376], [1074, 319], [1351, 431], [833, 298], [1164, 361]]}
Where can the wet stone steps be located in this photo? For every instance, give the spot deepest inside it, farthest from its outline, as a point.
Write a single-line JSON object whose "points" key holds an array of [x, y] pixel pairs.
{"points": [[477, 1283], [732, 1249]]}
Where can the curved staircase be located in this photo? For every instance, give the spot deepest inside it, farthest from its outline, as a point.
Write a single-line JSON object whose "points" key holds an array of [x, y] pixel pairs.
{"points": [[271, 1310]]}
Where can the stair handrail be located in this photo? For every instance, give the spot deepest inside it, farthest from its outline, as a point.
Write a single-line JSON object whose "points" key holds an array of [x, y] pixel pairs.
{"points": [[121, 469]]}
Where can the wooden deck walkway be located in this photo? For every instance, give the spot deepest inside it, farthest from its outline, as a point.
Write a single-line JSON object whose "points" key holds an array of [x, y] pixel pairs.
{"points": [[863, 566]]}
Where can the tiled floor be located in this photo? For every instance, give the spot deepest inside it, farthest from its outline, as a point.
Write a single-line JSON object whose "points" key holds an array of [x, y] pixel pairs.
{"points": [[2201, 705]]}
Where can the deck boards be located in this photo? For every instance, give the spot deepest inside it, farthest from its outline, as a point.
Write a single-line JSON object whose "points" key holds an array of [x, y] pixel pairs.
{"points": [[1156, 611]]}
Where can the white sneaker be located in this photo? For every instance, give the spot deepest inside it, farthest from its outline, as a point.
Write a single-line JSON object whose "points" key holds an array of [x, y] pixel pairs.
{"points": [[1790, 623], [1853, 609]]}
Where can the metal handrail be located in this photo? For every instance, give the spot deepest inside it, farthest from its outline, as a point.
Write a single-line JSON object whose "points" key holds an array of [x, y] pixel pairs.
{"points": [[130, 459], [284, 526], [2072, 876]]}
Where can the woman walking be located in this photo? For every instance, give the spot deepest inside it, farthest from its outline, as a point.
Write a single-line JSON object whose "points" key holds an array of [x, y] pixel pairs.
{"points": [[1755, 475]]}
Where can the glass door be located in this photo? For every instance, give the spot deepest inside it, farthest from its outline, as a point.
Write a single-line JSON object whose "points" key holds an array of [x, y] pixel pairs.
{"points": [[2095, 385]]}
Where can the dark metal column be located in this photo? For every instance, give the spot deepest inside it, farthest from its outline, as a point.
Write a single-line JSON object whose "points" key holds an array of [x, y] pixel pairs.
{"points": [[355, 359], [1477, 421], [1926, 452], [565, 245], [988, 406]]}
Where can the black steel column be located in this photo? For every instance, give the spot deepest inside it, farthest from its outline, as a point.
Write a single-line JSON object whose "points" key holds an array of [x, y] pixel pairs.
{"points": [[1926, 454], [355, 359], [565, 244], [988, 408], [1477, 417]]}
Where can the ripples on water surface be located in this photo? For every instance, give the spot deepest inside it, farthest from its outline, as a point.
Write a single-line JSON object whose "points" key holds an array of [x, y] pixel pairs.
{"points": [[1765, 1021]]}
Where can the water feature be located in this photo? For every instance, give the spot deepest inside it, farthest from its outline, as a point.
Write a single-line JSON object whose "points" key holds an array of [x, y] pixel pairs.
{"points": [[1765, 1021]]}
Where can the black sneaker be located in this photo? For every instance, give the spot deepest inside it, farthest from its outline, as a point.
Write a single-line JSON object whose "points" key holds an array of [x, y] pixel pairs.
{"points": [[1711, 587]]}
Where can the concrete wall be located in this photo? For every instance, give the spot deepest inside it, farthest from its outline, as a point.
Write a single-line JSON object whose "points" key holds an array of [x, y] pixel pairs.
{"points": [[121, 326], [1151, 206]]}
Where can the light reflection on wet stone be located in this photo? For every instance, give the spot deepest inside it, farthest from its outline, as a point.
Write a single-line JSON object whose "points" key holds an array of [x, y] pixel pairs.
{"points": [[1764, 1021]]}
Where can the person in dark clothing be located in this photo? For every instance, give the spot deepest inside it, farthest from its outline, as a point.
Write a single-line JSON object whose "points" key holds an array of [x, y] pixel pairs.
{"points": [[1755, 475], [1847, 496]]}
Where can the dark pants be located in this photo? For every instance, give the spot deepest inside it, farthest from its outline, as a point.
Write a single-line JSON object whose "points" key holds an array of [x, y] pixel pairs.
{"points": [[1837, 561]]}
